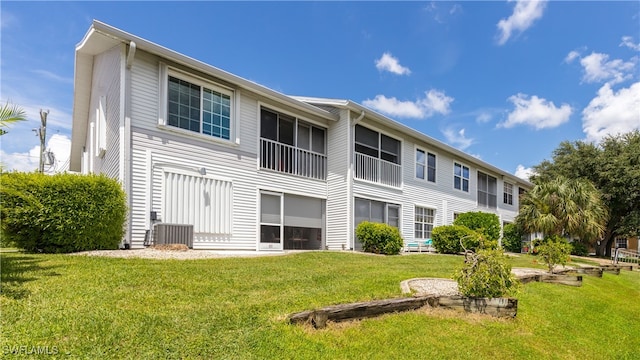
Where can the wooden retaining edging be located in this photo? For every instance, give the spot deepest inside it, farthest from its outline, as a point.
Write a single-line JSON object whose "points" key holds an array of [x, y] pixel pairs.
{"points": [[498, 307], [593, 271], [571, 280]]}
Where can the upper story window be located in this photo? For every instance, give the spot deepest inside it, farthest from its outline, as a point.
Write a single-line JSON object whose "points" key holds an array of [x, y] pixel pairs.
{"points": [[377, 145], [487, 190], [199, 107], [290, 145], [461, 177], [425, 165], [289, 130], [508, 193]]}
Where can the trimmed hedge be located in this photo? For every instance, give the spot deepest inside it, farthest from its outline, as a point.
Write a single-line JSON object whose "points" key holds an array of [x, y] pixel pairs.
{"points": [[379, 238], [579, 248], [62, 213], [446, 239], [512, 238], [484, 223]]}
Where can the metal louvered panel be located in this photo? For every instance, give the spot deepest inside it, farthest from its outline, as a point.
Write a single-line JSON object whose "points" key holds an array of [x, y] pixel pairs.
{"points": [[173, 234], [205, 203]]}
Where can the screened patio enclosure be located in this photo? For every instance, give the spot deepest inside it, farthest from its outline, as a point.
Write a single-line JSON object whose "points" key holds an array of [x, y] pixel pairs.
{"points": [[291, 222]]}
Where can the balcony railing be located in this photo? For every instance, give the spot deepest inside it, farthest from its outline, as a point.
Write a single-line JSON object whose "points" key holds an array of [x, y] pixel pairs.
{"points": [[291, 160], [377, 170]]}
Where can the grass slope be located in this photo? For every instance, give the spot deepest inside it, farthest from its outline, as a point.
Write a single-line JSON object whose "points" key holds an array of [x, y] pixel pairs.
{"points": [[235, 308]]}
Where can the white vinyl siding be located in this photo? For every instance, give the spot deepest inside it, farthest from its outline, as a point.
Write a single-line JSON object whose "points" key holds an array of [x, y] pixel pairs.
{"points": [[203, 202], [105, 115]]}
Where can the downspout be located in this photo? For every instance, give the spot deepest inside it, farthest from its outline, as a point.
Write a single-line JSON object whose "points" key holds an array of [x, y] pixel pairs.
{"points": [[131, 54], [350, 150]]}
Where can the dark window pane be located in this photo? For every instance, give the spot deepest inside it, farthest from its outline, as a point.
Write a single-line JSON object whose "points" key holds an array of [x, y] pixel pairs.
{"points": [[432, 175], [318, 140], [285, 129], [366, 136], [269, 125]]}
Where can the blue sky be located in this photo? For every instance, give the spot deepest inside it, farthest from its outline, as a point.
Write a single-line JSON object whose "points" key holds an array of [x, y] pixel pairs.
{"points": [[505, 81]]}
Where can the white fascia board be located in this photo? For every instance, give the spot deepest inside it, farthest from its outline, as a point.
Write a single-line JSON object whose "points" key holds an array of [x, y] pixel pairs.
{"points": [[164, 52]]}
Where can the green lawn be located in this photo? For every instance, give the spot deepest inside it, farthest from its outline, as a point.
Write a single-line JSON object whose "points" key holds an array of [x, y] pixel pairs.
{"points": [[235, 308]]}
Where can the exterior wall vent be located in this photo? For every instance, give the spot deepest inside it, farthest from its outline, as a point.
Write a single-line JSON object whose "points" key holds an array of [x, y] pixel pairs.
{"points": [[173, 234]]}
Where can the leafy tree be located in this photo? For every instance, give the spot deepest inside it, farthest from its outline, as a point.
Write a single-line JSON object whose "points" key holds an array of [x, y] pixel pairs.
{"points": [[10, 114], [613, 166], [563, 206]]}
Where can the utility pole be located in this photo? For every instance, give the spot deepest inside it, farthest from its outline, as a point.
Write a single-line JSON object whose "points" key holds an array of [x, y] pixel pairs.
{"points": [[42, 131]]}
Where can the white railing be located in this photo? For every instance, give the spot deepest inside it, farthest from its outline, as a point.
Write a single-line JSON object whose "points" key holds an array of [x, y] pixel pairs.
{"points": [[377, 170], [624, 255], [291, 160]]}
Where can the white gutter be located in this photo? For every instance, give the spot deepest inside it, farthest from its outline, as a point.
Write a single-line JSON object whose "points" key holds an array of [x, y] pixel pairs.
{"points": [[131, 54]]}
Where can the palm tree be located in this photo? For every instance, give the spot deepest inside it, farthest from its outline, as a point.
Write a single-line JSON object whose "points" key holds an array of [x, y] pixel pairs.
{"points": [[10, 114], [564, 207]]}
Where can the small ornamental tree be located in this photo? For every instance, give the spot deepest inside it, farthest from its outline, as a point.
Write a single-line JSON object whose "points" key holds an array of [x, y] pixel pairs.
{"points": [[379, 238], [554, 250], [486, 274]]}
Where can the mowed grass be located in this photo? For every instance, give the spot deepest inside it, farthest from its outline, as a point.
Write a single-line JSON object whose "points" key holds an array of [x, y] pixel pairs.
{"points": [[236, 308]]}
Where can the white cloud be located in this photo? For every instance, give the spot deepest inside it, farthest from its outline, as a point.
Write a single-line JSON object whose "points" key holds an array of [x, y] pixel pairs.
{"points": [[524, 15], [523, 172], [457, 138], [571, 56], [537, 112], [434, 101], [391, 64], [628, 42], [59, 145], [611, 112], [484, 117], [598, 68]]}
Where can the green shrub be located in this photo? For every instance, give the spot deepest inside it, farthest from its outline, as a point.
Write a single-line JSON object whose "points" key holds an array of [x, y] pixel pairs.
{"points": [[512, 238], [579, 248], [486, 273], [484, 223], [62, 213], [446, 239], [554, 250], [379, 238]]}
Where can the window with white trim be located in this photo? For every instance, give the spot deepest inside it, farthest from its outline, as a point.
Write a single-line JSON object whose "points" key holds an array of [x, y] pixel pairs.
{"points": [[621, 242], [425, 165], [487, 190], [460, 177], [508, 193], [423, 222], [199, 107], [377, 145]]}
